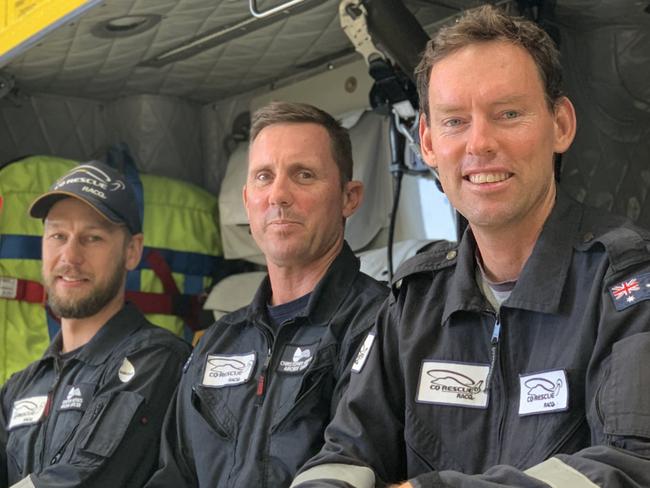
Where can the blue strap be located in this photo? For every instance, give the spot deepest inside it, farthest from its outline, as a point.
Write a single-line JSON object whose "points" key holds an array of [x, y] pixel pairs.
{"points": [[52, 325], [119, 157], [20, 247], [191, 263]]}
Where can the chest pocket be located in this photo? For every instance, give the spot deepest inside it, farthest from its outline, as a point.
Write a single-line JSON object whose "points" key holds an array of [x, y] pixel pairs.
{"points": [[106, 420], [21, 450], [212, 406], [307, 397]]}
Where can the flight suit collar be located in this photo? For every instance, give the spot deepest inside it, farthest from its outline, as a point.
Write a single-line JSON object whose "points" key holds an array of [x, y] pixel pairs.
{"points": [[100, 347], [541, 283], [326, 297]]}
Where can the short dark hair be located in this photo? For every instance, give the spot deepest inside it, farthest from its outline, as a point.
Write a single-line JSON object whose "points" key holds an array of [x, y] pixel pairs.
{"points": [[292, 112], [489, 23]]}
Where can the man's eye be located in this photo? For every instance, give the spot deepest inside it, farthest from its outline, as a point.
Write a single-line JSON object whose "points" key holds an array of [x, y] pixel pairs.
{"points": [[452, 122], [305, 175], [94, 238], [262, 176], [510, 114]]}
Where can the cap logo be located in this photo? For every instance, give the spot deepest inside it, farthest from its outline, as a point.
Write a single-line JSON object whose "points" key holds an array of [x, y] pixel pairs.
{"points": [[95, 181]]}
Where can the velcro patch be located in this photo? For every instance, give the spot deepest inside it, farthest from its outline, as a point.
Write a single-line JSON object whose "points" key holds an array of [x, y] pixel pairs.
{"points": [[630, 291], [27, 411], [76, 397], [228, 370], [363, 354], [8, 287], [295, 359], [449, 383], [543, 392]]}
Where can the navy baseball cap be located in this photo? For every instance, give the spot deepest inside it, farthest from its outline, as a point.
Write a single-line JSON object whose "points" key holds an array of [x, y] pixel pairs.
{"points": [[100, 186]]}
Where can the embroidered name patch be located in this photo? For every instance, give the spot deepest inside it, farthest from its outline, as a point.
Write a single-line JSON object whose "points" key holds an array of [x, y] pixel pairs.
{"points": [[631, 291], [228, 370], [27, 411], [76, 397], [543, 392], [448, 383], [295, 359], [363, 353]]}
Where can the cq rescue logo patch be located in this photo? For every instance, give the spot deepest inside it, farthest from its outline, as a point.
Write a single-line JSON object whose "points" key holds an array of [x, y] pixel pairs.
{"points": [[543, 392], [295, 359], [630, 291], [448, 383], [94, 181], [228, 370], [364, 351], [27, 411]]}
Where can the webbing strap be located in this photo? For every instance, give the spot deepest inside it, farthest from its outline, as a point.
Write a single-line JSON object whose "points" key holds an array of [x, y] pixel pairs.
{"points": [[23, 290], [162, 271], [178, 304], [20, 247], [14, 246]]}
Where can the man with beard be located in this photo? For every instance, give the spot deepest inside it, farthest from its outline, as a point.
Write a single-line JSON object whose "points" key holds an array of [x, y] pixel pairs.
{"points": [[89, 412], [265, 380]]}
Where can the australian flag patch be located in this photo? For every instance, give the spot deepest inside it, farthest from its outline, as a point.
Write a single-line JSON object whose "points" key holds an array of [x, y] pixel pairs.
{"points": [[628, 292]]}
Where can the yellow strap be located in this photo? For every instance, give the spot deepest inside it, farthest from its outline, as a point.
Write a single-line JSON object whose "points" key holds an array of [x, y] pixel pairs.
{"points": [[557, 474]]}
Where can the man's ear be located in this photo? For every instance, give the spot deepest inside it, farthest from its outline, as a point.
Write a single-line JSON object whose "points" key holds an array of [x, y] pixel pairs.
{"points": [[352, 197], [426, 148], [244, 196], [565, 124], [134, 250]]}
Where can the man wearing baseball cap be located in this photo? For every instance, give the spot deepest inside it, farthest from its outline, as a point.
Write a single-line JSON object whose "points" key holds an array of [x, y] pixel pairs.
{"points": [[89, 412]]}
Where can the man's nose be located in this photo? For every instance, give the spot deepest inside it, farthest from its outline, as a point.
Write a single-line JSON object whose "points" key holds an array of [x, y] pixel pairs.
{"points": [[481, 137], [280, 193], [72, 252]]}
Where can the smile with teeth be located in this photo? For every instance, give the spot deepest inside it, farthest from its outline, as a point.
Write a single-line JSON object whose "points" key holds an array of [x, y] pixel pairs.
{"points": [[69, 279], [480, 178]]}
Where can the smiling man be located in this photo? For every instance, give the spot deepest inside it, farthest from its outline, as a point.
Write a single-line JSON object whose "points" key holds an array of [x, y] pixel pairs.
{"points": [[511, 358], [89, 412], [265, 380]]}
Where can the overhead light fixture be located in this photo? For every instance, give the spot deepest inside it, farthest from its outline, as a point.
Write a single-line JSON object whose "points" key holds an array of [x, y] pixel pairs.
{"points": [[126, 26], [229, 32]]}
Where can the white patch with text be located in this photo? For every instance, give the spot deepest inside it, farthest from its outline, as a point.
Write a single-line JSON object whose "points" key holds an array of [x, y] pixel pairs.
{"points": [[228, 370], [27, 411], [543, 392], [363, 354], [448, 383]]}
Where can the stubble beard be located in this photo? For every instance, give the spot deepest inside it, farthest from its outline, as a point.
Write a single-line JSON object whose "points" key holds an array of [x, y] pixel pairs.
{"points": [[92, 303]]}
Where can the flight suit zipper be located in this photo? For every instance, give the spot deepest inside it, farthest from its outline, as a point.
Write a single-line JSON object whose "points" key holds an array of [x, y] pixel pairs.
{"points": [[496, 365], [494, 352]]}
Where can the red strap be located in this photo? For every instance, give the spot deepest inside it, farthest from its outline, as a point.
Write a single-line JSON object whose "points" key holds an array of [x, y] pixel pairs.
{"points": [[162, 271], [151, 302], [147, 302], [25, 290], [31, 291]]}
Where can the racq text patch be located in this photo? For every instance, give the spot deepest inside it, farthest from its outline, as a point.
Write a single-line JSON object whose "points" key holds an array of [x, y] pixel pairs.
{"points": [[543, 392], [450, 383], [228, 370]]}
